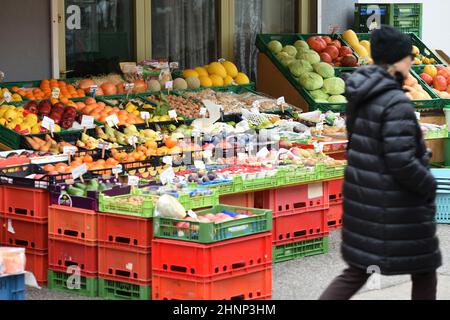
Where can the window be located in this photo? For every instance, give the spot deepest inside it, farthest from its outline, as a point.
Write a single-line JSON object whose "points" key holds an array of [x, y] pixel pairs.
{"points": [[99, 35], [260, 16], [185, 31]]}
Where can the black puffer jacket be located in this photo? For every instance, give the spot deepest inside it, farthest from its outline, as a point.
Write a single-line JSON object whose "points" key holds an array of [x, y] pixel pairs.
{"points": [[389, 211]]}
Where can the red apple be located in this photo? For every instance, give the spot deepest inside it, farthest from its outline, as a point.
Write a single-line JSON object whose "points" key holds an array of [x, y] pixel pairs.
{"points": [[344, 51], [317, 44], [444, 73], [336, 43], [332, 51], [327, 39], [427, 78], [440, 83], [349, 61], [325, 57]]}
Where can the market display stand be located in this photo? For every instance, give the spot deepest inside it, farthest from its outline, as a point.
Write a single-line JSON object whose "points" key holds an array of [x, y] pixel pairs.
{"points": [[273, 82]]}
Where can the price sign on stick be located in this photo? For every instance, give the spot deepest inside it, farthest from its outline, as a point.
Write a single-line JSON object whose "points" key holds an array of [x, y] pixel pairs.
{"points": [[48, 124], [173, 114], [280, 102], [167, 160], [93, 90], [174, 65], [167, 176], [69, 150], [133, 140], [87, 121], [145, 115], [112, 120], [169, 85], [7, 96], [55, 93], [79, 172], [116, 170], [133, 181]]}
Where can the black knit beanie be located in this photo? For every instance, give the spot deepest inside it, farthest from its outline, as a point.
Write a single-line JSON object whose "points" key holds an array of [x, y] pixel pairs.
{"points": [[389, 45]]}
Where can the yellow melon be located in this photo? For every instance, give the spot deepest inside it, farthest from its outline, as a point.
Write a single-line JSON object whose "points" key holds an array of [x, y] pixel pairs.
{"points": [[231, 69], [228, 81], [217, 69], [242, 79], [201, 71], [217, 81], [190, 73], [205, 81]]}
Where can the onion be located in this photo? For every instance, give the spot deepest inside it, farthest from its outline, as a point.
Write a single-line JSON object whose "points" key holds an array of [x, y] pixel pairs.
{"points": [[120, 88], [109, 89], [140, 86], [86, 84]]}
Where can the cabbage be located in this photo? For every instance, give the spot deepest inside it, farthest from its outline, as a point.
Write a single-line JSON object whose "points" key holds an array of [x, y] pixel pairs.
{"points": [[169, 207], [310, 56], [299, 67], [300, 44], [275, 46], [324, 69], [319, 95], [282, 55], [287, 60], [311, 81], [334, 86], [290, 50], [337, 99]]}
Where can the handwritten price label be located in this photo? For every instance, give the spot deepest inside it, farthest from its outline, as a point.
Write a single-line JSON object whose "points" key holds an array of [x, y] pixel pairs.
{"points": [[87, 121], [55, 93], [79, 171]]}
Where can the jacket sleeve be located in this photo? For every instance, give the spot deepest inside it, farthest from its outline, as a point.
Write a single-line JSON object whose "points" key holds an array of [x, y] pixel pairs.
{"points": [[399, 134]]}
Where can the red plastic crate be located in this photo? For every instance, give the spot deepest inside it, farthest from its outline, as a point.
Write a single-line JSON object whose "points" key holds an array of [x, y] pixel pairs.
{"points": [[26, 202], [335, 212], [300, 226], [19, 232], [245, 200], [37, 263], [125, 231], [124, 264], [296, 199], [185, 259], [63, 254], [72, 224], [254, 285]]}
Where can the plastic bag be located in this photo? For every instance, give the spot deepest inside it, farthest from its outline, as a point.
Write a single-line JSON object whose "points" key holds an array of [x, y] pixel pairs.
{"points": [[12, 260], [169, 207]]}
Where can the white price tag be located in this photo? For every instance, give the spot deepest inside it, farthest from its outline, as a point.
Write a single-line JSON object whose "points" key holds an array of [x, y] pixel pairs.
{"points": [[213, 110], [48, 124], [167, 160], [263, 153], [87, 121], [173, 114], [117, 169], [133, 181], [112, 120], [140, 70], [133, 140], [319, 126], [10, 227], [104, 145], [418, 116], [55, 93], [281, 101], [145, 115], [167, 176], [79, 171], [255, 105], [203, 112], [7, 95], [174, 65], [200, 165], [169, 85], [318, 147], [207, 153], [69, 150], [93, 89], [129, 86], [192, 214]]}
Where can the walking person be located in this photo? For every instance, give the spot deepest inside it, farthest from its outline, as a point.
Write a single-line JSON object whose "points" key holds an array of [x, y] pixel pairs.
{"points": [[389, 192]]}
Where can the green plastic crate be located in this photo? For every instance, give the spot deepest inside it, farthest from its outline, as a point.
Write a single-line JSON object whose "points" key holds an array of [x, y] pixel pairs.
{"points": [[115, 290], [261, 221], [296, 175], [333, 172], [300, 249], [255, 182], [58, 281], [437, 134], [440, 103], [114, 205]]}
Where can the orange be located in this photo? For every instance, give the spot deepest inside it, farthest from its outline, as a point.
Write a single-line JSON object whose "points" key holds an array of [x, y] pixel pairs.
{"points": [[49, 168], [111, 162], [89, 101], [87, 159]]}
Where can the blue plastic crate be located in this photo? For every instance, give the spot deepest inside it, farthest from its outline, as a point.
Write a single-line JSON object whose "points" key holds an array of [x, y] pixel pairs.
{"points": [[443, 195], [12, 287]]}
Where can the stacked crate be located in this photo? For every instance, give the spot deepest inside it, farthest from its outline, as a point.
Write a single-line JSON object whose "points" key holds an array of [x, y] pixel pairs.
{"points": [[73, 250], [125, 256], [24, 223], [300, 225], [335, 212], [213, 261]]}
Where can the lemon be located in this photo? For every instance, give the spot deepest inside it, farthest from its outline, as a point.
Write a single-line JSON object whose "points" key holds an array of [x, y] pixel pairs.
{"points": [[217, 69], [31, 119], [201, 71], [242, 79], [231, 69], [228, 81], [57, 128], [206, 81], [216, 80], [190, 73], [36, 129]]}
